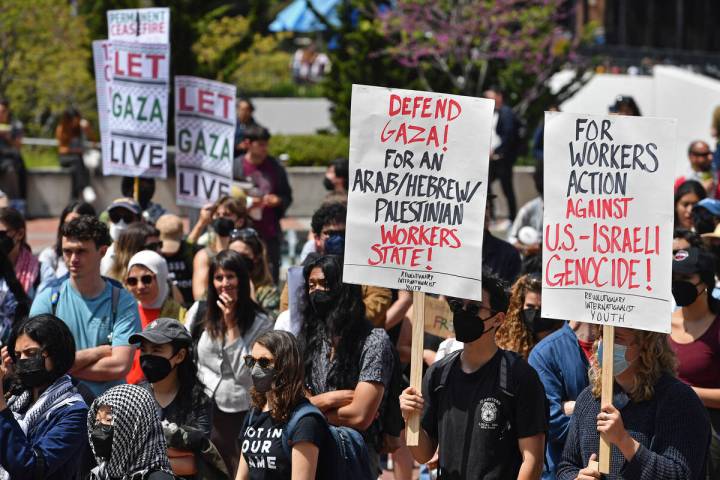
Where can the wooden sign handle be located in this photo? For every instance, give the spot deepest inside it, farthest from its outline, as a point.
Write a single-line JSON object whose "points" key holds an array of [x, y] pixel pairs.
{"points": [[606, 396], [412, 433], [136, 189]]}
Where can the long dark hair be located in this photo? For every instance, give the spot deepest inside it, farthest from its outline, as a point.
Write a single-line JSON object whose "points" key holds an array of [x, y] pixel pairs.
{"points": [[287, 387], [191, 390], [245, 308], [346, 320], [14, 220], [75, 206], [260, 273], [706, 272], [689, 186]]}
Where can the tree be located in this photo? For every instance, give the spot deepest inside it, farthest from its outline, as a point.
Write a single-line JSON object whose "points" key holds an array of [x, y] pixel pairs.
{"points": [[44, 58]]}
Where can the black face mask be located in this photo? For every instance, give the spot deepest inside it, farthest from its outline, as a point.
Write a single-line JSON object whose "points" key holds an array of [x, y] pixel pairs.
{"points": [[101, 438], [328, 184], [155, 367], [685, 293], [322, 302], [32, 372], [223, 226], [536, 323], [469, 327], [6, 243]]}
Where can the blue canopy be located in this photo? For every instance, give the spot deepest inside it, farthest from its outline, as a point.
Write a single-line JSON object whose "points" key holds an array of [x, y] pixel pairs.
{"points": [[297, 17]]}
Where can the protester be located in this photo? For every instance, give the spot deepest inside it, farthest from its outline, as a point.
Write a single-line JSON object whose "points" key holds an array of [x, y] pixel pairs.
{"points": [[562, 361], [14, 302], [120, 214], [700, 168], [71, 133], [101, 315], [11, 135], [147, 280], [695, 335], [168, 365], [328, 227], [504, 153], [348, 363], [706, 215], [526, 232], [178, 253], [498, 255], [244, 110], [137, 237], [126, 436], [309, 65], [306, 452], [656, 424], [151, 211], [524, 325], [625, 105], [223, 217], [687, 195], [42, 424], [13, 235], [51, 257], [273, 191], [496, 388], [224, 329], [337, 178], [247, 243]]}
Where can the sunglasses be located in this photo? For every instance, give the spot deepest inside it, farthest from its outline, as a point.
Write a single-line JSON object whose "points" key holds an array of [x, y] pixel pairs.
{"points": [[701, 154], [118, 214], [154, 246], [456, 305], [243, 234], [145, 279], [263, 362]]}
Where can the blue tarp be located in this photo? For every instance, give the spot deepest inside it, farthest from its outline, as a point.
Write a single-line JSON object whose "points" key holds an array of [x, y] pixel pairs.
{"points": [[297, 17]]}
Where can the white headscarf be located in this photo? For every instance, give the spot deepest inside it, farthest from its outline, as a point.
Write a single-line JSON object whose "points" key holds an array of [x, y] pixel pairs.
{"points": [[154, 262]]}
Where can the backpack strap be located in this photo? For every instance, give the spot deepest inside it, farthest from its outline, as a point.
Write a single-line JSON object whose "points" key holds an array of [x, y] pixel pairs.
{"points": [[301, 411], [114, 305], [445, 368], [507, 361], [54, 299]]}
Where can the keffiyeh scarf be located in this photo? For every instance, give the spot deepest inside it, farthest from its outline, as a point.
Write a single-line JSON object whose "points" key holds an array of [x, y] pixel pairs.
{"points": [[138, 441], [27, 268]]}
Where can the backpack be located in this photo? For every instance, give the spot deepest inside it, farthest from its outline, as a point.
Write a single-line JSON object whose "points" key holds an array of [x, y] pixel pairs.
{"points": [[116, 288], [352, 461]]}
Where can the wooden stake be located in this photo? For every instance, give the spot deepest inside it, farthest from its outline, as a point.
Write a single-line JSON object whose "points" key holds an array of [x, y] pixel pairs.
{"points": [[606, 397], [136, 189], [412, 435]]}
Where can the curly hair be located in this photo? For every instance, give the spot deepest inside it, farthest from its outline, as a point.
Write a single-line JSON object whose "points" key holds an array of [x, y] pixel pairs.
{"points": [[656, 357], [130, 242], [287, 387], [346, 321], [87, 227], [326, 215], [513, 335]]}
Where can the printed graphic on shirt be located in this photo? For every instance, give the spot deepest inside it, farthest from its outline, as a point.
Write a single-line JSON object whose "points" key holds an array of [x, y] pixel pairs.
{"points": [[256, 447], [489, 413]]}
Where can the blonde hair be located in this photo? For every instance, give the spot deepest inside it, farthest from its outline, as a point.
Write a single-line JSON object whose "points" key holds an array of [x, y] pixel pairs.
{"points": [[512, 334], [656, 357]]}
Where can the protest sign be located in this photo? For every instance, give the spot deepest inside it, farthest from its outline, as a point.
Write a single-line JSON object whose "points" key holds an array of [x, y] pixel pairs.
{"points": [[138, 110], [418, 182], [204, 139], [608, 221], [144, 25], [438, 317], [103, 77]]}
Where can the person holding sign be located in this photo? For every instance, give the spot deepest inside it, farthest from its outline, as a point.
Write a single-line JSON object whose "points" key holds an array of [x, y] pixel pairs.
{"points": [[656, 424], [485, 407]]}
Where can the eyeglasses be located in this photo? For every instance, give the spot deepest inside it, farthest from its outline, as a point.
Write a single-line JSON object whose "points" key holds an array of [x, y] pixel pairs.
{"points": [[145, 279], [700, 154], [154, 246], [456, 305], [263, 362], [117, 214], [243, 234]]}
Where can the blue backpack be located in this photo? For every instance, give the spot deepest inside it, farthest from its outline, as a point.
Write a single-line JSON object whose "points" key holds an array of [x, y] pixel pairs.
{"points": [[352, 460]]}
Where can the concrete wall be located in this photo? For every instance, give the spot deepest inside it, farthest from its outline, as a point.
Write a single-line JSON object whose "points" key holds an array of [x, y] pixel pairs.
{"points": [[49, 191], [293, 116]]}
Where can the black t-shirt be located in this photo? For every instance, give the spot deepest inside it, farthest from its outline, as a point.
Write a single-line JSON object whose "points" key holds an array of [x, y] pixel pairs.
{"points": [[262, 447], [476, 424], [180, 271]]}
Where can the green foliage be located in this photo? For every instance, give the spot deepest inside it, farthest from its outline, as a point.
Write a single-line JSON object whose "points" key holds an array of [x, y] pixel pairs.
{"points": [[44, 58], [306, 150]]}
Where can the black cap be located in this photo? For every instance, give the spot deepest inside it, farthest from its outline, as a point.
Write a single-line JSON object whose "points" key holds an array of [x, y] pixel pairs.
{"points": [[161, 331], [687, 261]]}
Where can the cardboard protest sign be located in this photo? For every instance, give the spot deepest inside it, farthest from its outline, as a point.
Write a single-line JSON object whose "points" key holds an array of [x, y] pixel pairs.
{"points": [[144, 25], [103, 77], [418, 182], [138, 110], [438, 317], [608, 195], [204, 139]]}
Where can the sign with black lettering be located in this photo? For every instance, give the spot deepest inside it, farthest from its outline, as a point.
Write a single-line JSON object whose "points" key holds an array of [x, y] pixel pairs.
{"points": [[608, 221]]}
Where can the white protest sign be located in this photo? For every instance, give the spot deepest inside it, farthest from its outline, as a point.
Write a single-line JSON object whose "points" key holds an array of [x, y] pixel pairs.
{"points": [[204, 134], [144, 25], [418, 182], [138, 110], [103, 77], [608, 195]]}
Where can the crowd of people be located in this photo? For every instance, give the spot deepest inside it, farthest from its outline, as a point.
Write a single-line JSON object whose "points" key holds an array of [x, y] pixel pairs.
{"points": [[137, 348]]}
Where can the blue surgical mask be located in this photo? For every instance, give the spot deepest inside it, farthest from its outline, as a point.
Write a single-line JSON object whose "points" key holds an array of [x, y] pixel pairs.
{"points": [[620, 363]]}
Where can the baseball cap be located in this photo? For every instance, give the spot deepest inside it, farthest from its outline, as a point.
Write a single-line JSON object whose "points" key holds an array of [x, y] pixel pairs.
{"points": [[126, 203], [161, 331], [687, 261], [711, 205], [171, 230]]}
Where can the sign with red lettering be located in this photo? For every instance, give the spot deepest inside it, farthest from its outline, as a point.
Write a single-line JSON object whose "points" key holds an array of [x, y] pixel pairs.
{"points": [[103, 77], [137, 120], [608, 221], [418, 182], [204, 139], [144, 25]]}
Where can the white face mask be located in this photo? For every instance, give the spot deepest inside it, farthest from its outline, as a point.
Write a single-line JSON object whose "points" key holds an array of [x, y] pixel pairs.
{"points": [[116, 229]]}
